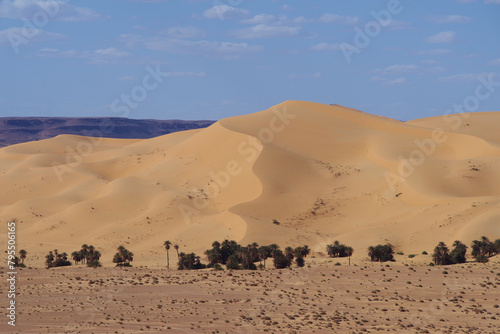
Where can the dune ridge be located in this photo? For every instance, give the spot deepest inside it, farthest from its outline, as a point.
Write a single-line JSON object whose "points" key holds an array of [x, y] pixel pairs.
{"points": [[324, 172]]}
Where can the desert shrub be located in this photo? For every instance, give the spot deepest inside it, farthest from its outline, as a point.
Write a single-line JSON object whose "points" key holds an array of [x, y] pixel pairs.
{"points": [[94, 264], [411, 256], [424, 253], [300, 261]]}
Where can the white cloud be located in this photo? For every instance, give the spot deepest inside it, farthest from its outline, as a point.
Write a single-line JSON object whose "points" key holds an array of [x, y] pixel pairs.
{"points": [[339, 19], [397, 69], [494, 62], [184, 32], [100, 56], [260, 19], [227, 50], [20, 37], [316, 75], [325, 47], [51, 9], [434, 52], [436, 69], [225, 12], [443, 37], [463, 77], [395, 82], [127, 78], [286, 7], [267, 31], [448, 19], [398, 25], [429, 61], [185, 74]]}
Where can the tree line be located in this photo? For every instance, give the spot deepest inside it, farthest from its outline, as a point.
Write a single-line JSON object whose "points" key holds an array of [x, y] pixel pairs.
{"points": [[235, 256]]}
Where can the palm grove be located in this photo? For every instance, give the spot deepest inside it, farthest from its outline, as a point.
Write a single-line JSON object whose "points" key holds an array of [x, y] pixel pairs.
{"points": [[235, 256]]}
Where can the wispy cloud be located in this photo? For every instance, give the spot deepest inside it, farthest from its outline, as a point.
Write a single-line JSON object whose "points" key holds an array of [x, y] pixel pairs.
{"points": [[325, 47], [225, 12], [54, 10], [494, 62], [434, 52], [338, 19], [316, 75], [184, 32], [444, 37], [466, 77], [448, 18], [227, 50], [17, 36], [100, 56], [396, 69], [267, 31], [395, 82]]}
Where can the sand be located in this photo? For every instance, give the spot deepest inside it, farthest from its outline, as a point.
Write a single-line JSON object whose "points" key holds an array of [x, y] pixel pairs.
{"points": [[324, 172]]}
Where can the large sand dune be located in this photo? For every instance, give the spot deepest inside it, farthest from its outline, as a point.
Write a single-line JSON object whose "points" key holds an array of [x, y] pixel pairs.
{"points": [[324, 172]]}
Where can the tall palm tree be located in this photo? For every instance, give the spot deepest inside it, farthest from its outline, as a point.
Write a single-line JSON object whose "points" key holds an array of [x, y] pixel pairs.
{"points": [[84, 252], [349, 251], [167, 247], [176, 247], [22, 255]]}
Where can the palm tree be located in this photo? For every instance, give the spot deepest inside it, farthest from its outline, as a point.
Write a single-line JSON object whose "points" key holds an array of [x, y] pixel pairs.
{"points": [[176, 247], [349, 251], [289, 254], [305, 251], [167, 247], [22, 255], [457, 255], [49, 259], [76, 256], [263, 254], [84, 252], [441, 254]]}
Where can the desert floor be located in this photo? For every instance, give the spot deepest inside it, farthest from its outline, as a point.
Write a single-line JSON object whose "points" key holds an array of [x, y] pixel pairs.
{"points": [[323, 297]]}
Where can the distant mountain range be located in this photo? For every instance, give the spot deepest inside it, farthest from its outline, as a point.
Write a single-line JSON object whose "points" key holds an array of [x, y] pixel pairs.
{"points": [[15, 130]]}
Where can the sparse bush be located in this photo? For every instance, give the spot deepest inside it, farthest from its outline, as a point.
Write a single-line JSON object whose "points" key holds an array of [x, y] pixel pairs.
{"points": [[424, 253], [94, 264], [411, 256]]}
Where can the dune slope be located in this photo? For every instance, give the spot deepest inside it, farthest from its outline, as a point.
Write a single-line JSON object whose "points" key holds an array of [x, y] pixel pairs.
{"points": [[324, 172]]}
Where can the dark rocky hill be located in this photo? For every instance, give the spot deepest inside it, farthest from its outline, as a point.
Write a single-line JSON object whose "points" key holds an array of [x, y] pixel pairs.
{"points": [[15, 130]]}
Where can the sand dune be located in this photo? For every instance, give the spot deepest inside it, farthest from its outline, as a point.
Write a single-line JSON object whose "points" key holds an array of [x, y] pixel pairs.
{"points": [[324, 172]]}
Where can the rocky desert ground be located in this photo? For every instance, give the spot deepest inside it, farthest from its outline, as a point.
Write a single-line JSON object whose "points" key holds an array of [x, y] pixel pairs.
{"points": [[326, 296]]}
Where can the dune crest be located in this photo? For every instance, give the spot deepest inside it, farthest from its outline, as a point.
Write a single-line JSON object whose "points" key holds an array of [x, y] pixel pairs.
{"points": [[324, 172]]}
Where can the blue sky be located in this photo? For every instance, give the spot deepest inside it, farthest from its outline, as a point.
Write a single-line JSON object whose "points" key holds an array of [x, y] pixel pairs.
{"points": [[199, 59]]}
